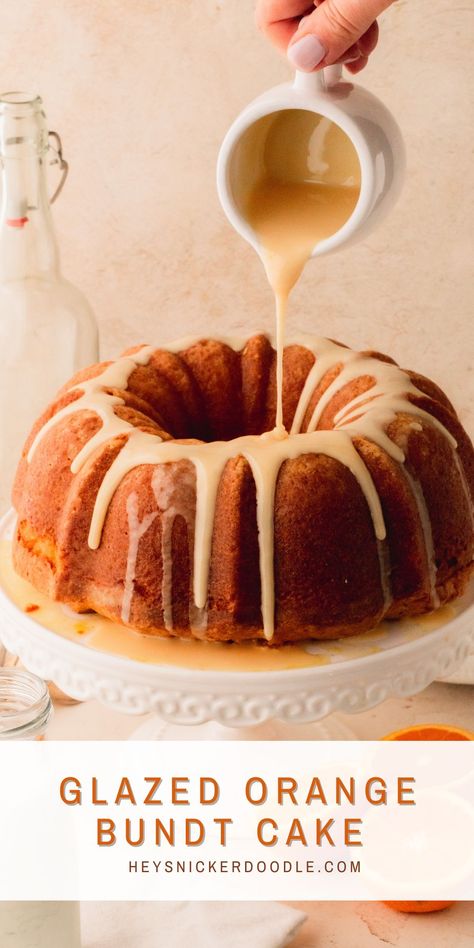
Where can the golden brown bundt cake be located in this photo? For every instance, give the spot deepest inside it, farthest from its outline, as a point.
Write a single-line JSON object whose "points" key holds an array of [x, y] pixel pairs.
{"points": [[154, 491]]}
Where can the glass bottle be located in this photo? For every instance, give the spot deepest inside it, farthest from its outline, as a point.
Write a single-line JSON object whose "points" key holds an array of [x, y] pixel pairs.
{"points": [[47, 328], [40, 925]]}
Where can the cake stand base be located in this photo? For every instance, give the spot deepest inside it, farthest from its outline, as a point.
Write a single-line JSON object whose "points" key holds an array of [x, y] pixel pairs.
{"points": [[331, 729]]}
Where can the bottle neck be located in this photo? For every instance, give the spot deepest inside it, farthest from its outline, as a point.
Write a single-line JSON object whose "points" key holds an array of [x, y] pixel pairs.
{"points": [[27, 242]]}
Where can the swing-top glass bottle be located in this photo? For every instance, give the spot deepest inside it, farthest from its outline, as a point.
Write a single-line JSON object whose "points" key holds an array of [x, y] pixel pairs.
{"points": [[47, 328]]}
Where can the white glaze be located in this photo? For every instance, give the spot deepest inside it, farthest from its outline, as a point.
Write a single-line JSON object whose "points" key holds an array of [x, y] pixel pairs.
{"points": [[176, 497], [425, 522], [136, 530]]}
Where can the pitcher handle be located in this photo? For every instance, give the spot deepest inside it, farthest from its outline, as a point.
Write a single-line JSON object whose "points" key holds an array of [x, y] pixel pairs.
{"points": [[319, 81]]}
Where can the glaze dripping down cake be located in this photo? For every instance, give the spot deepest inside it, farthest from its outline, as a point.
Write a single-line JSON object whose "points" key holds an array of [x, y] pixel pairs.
{"points": [[153, 491]]}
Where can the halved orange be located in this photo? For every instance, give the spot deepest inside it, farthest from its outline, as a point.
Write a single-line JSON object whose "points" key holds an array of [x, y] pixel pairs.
{"points": [[431, 732], [419, 907], [426, 732]]}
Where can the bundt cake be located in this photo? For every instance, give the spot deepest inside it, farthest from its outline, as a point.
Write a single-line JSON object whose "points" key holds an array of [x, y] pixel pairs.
{"points": [[154, 491]]}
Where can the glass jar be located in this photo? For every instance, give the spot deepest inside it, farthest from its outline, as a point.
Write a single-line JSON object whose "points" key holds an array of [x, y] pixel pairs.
{"points": [[25, 706], [25, 710], [47, 328]]}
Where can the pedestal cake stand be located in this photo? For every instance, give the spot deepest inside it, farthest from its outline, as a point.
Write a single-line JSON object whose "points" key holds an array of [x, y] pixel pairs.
{"points": [[287, 704]]}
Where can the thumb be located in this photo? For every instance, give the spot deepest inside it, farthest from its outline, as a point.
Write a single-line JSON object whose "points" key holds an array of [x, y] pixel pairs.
{"points": [[324, 36]]}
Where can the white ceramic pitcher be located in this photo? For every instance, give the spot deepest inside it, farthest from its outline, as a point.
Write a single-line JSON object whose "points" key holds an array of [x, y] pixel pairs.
{"points": [[366, 121]]}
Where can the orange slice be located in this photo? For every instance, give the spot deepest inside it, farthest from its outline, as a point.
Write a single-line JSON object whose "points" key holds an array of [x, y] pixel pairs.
{"points": [[430, 732], [418, 907]]}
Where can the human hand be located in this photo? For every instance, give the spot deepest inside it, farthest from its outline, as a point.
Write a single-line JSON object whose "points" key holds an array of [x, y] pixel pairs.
{"points": [[337, 31]]}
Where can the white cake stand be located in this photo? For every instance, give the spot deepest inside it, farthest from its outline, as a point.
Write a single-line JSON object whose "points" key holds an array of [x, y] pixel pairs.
{"points": [[252, 705]]}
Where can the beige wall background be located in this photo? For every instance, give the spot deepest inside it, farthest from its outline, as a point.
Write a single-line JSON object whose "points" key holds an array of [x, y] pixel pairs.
{"points": [[142, 92]]}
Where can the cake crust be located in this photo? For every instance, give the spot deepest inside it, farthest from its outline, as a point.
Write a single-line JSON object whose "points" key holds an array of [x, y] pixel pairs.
{"points": [[371, 495]]}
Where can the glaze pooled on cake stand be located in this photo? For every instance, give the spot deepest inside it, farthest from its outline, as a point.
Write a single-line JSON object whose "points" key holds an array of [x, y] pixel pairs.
{"points": [[348, 675]]}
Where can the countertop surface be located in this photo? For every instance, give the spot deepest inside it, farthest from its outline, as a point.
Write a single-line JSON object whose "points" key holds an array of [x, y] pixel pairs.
{"points": [[373, 925]]}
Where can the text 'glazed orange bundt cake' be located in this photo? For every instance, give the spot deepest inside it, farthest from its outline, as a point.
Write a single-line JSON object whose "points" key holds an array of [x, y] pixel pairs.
{"points": [[154, 491]]}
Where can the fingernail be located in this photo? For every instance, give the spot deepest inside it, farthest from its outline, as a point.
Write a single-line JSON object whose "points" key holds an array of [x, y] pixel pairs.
{"points": [[306, 53]]}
